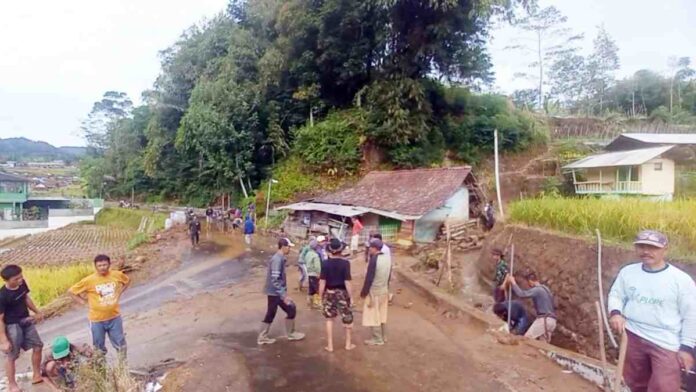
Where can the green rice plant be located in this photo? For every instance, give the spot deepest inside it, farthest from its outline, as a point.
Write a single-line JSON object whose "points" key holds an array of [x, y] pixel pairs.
{"points": [[49, 283], [137, 240], [128, 219], [618, 220]]}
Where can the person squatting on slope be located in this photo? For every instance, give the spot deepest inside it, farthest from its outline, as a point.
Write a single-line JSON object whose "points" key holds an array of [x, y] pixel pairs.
{"points": [[545, 322], [654, 303]]}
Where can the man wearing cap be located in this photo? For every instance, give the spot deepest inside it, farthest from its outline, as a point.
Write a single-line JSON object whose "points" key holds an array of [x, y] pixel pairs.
{"points": [[375, 291], [335, 288], [276, 290], [654, 303], [58, 369]]}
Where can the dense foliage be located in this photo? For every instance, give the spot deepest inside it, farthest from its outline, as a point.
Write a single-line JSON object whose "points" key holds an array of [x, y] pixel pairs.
{"points": [[318, 80]]}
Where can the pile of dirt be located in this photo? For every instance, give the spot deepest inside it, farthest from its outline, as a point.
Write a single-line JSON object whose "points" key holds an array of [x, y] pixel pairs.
{"points": [[568, 266]]}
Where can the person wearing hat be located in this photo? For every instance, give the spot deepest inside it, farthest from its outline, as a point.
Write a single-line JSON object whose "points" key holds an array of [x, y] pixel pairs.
{"points": [[276, 290], [501, 271], [58, 369], [335, 289], [375, 291], [654, 303]]}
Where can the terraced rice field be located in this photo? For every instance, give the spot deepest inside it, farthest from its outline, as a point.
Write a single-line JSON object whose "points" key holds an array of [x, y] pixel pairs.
{"points": [[67, 245]]}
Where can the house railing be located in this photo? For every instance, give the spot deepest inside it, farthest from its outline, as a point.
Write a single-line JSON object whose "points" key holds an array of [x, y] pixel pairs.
{"points": [[608, 187]]}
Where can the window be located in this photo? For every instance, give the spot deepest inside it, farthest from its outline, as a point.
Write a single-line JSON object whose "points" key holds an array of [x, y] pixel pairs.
{"points": [[658, 166], [628, 173]]}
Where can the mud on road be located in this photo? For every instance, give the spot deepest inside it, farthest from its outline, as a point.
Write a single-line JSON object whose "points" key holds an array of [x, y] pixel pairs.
{"points": [[206, 314]]}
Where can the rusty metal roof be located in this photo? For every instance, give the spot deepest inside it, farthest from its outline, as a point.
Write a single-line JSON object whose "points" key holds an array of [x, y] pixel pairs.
{"points": [[407, 192], [619, 158]]}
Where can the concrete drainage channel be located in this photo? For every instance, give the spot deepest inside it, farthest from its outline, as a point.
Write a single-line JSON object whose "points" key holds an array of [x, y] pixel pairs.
{"points": [[586, 367]]}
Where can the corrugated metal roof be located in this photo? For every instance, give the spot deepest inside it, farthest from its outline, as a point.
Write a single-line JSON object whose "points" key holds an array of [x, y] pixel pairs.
{"points": [[341, 210], [619, 158], [662, 138], [12, 178], [405, 192]]}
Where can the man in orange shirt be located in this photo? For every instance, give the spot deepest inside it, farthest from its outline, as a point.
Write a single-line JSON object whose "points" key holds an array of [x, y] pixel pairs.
{"points": [[355, 237], [101, 293]]}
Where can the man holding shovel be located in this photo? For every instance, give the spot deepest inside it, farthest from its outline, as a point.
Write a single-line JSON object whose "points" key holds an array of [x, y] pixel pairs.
{"points": [[654, 303]]}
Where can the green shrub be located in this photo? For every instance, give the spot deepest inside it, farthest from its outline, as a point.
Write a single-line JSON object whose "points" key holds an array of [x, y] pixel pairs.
{"points": [[129, 219], [137, 240], [332, 144], [291, 180]]}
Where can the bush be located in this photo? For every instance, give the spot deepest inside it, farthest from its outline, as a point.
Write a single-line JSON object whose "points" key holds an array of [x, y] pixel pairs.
{"points": [[291, 180], [618, 220], [332, 144], [137, 240]]}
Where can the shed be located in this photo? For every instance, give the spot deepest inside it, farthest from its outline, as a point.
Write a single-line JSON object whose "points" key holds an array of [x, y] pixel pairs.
{"points": [[403, 204]]}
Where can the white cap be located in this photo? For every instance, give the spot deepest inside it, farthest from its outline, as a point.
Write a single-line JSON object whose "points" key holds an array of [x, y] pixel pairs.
{"points": [[321, 238]]}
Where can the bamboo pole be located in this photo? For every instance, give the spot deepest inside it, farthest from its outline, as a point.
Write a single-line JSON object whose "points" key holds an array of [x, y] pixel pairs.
{"points": [[449, 255], [602, 351], [622, 359], [601, 290], [497, 176]]}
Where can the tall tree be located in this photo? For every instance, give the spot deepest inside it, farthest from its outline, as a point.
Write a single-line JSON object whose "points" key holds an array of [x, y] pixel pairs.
{"points": [[601, 66], [113, 106], [551, 40]]}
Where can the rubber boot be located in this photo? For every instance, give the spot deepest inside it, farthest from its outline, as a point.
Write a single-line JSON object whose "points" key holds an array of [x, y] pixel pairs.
{"points": [[263, 335], [377, 339], [316, 301], [290, 331], [384, 332]]}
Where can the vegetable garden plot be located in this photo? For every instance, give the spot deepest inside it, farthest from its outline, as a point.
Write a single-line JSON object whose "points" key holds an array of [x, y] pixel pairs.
{"points": [[68, 245]]}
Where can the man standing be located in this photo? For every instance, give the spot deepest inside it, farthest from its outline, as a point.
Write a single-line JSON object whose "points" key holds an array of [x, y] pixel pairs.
{"points": [[209, 217], [195, 231], [101, 293], [17, 330], [248, 230], [545, 322], [276, 290], [375, 292], [355, 238], [501, 271], [302, 263], [654, 303], [336, 291], [489, 216], [314, 261]]}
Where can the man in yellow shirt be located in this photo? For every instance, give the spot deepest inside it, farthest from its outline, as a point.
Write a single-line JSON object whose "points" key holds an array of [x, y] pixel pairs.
{"points": [[101, 293]]}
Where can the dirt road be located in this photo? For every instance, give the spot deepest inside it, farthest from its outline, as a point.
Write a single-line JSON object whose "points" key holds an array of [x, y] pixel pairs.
{"points": [[206, 314]]}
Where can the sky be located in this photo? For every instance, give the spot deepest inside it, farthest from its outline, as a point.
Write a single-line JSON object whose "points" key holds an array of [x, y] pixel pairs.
{"points": [[58, 57], [647, 33]]}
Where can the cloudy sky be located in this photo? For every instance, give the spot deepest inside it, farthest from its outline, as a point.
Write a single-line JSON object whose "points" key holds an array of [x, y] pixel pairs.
{"points": [[58, 57]]}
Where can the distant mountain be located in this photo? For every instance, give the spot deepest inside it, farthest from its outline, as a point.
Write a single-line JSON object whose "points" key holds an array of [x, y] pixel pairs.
{"points": [[21, 149]]}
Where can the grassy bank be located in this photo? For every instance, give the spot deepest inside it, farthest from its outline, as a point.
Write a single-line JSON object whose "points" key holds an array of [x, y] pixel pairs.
{"points": [[49, 283], [618, 220], [129, 219]]}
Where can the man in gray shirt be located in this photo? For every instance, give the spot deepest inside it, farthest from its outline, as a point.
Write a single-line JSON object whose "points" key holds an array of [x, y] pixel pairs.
{"points": [[276, 289], [545, 322]]}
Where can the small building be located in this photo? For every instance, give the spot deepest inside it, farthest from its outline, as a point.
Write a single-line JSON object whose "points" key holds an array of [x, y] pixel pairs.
{"points": [[408, 205], [14, 191], [635, 141], [647, 172]]}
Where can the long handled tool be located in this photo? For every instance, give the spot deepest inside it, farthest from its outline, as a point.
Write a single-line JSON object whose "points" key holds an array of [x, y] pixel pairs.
{"points": [[512, 268], [602, 352], [601, 290], [622, 359]]}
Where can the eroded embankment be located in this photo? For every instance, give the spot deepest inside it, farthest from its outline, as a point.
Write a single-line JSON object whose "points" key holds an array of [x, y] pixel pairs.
{"points": [[568, 266]]}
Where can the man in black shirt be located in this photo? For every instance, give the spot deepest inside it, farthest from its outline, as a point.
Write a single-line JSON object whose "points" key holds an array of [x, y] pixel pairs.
{"points": [[17, 330], [335, 290], [194, 231]]}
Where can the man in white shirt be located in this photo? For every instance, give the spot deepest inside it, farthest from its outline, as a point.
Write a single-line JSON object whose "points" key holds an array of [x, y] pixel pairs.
{"points": [[654, 303]]}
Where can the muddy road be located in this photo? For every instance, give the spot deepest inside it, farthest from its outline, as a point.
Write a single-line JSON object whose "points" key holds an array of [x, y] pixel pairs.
{"points": [[206, 313]]}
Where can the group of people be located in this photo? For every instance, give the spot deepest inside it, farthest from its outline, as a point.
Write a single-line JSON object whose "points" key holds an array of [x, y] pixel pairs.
{"points": [[100, 292], [234, 216], [328, 273], [651, 301]]}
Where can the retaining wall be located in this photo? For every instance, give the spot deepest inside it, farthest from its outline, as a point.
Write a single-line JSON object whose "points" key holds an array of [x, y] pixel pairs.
{"points": [[64, 212], [568, 266], [33, 224]]}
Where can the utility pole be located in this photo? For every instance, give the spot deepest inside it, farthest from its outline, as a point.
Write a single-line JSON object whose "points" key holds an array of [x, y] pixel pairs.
{"points": [[268, 200], [497, 175]]}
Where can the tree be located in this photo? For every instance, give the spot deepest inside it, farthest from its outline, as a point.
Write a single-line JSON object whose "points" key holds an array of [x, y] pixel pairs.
{"points": [[680, 72], [551, 40], [568, 80], [601, 67], [113, 106]]}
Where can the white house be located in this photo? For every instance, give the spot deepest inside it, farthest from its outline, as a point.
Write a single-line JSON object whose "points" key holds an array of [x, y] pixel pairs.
{"points": [[646, 171]]}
